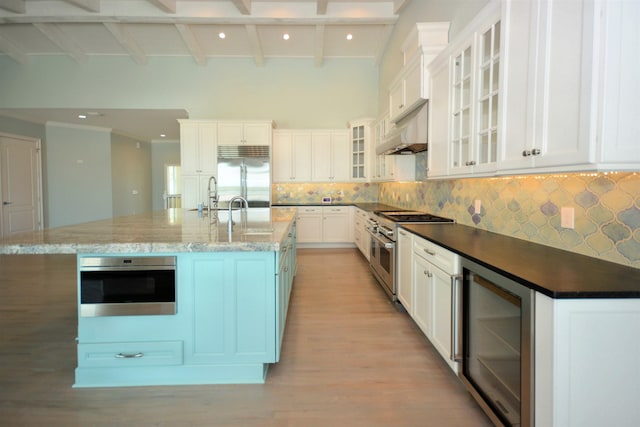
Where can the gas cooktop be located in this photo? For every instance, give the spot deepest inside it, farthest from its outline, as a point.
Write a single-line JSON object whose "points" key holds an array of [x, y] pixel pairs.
{"points": [[412, 216]]}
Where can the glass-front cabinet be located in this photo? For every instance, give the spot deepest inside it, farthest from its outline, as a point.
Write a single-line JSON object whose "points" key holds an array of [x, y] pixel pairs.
{"points": [[475, 75], [360, 149]]}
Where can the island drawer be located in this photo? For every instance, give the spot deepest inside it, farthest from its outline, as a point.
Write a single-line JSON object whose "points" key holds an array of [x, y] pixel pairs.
{"points": [[120, 354]]}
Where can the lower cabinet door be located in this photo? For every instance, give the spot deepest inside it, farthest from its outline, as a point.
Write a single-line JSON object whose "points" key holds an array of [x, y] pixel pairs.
{"points": [[422, 294], [123, 354]]}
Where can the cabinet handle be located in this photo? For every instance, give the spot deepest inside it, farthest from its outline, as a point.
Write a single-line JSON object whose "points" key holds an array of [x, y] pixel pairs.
{"points": [[536, 152], [129, 355], [432, 253], [456, 301], [526, 153], [429, 274], [403, 233], [401, 106], [470, 163]]}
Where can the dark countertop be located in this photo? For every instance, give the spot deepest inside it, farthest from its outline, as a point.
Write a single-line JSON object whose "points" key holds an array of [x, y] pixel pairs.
{"points": [[553, 272], [366, 206]]}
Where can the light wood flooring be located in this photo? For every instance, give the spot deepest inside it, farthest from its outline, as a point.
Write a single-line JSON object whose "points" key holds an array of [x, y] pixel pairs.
{"points": [[349, 358]]}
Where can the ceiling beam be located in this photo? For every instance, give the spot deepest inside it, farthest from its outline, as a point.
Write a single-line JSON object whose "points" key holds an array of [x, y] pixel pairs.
{"points": [[319, 47], [13, 51], [321, 7], [244, 6], [168, 6], [192, 44], [127, 42], [63, 41], [398, 5], [88, 5], [15, 6], [254, 42]]}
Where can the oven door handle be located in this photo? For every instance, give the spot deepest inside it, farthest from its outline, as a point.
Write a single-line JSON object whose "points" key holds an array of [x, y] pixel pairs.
{"points": [[386, 243]]}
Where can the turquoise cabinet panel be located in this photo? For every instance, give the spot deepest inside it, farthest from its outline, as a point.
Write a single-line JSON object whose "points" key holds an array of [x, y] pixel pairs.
{"points": [[233, 307]]}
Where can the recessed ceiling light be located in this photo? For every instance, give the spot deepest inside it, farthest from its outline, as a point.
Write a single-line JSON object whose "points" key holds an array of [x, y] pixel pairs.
{"points": [[163, 135], [222, 35], [349, 36], [82, 116], [285, 36]]}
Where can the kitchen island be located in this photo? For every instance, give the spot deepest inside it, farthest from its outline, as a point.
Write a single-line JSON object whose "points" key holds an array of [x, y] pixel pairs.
{"points": [[231, 296]]}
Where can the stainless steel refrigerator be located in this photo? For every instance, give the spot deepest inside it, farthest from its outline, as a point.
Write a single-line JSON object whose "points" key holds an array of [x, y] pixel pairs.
{"points": [[244, 170]]}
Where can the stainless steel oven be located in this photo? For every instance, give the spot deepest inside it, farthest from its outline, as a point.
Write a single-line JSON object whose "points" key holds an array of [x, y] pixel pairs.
{"points": [[127, 286], [497, 345], [382, 259], [383, 231]]}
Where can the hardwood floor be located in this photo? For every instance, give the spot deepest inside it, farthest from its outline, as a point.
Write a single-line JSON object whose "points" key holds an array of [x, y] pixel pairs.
{"points": [[349, 358]]}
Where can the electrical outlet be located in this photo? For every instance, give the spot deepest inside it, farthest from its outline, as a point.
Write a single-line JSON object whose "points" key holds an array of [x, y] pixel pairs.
{"points": [[477, 206], [567, 217]]}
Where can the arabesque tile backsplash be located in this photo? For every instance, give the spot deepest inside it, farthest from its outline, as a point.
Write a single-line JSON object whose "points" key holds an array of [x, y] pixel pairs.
{"points": [[606, 207]]}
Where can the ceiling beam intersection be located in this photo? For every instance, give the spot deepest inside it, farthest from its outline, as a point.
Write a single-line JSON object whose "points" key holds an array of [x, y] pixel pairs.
{"points": [[192, 44], [321, 7], [168, 6], [13, 51], [88, 5], [244, 6], [127, 42], [54, 33], [15, 6], [254, 42]]}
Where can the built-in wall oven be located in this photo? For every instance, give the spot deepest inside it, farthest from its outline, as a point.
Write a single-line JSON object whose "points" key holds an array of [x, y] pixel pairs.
{"points": [[497, 333], [383, 231], [127, 286]]}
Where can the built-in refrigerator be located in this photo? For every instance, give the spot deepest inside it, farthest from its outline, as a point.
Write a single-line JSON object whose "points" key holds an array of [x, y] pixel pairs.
{"points": [[244, 170]]}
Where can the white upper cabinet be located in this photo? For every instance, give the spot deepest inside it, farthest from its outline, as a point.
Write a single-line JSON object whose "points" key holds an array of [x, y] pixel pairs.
{"points": [[330, 153], [361, 147], [410, 87], [291, 156], [570, 101], [464, 81], [198, 147], [245, 133]]}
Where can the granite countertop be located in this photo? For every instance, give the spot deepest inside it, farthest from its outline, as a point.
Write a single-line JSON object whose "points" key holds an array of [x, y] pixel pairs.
{"points": [[167, 231], [553, 272]]}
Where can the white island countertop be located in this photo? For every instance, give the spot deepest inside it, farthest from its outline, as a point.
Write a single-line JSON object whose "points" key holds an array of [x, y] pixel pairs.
{"points": [[166, 231]]}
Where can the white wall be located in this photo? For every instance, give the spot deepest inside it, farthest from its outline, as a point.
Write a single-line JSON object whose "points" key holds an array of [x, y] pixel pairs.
{"points": [[293, 92], [131, 172], [78, 179]]}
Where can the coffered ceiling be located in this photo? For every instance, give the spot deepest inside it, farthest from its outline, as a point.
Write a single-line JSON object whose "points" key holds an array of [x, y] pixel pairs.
{"points": [[143, 29]]}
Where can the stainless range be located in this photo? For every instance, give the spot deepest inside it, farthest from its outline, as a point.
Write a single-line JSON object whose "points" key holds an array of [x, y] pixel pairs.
{"points": [[383, 231]]}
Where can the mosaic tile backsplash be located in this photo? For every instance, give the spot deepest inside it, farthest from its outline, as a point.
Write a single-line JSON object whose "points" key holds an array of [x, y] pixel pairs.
{"points": [[606, 207], [341, 192]]}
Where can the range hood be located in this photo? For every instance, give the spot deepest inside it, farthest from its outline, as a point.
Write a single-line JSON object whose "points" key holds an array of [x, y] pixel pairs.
{"points": [[409, 136]]}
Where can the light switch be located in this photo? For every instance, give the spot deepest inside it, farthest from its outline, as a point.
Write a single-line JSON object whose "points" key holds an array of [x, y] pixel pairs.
{"points": [[566, 217]]}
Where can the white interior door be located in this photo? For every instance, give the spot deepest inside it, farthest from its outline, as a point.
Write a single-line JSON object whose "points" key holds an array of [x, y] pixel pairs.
{"points": [[20, 185]]}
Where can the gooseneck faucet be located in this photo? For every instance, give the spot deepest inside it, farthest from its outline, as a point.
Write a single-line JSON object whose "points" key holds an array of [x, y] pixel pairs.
{"points": [[246, 206], [213, 196]]}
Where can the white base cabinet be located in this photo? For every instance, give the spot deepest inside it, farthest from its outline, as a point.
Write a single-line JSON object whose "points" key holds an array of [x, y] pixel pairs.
{"points": [[325, 224], [586, 362], [426, 273], [360, 234]]}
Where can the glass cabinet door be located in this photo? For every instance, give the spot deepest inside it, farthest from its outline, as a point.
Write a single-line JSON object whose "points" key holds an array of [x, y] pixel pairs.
{"points": [[461, 103], [489, 72]]}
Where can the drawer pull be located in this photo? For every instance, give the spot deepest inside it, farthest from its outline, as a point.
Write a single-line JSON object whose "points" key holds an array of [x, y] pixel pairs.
{"points": [[129, 355], [432, 253]]}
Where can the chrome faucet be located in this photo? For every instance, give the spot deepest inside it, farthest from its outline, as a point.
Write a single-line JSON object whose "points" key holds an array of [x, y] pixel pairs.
{"points": [[213, 196], [246, 206]]}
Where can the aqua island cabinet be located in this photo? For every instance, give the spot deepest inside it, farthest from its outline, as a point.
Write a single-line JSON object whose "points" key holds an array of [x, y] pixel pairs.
{"points": [[231, 296]]}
